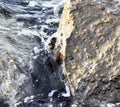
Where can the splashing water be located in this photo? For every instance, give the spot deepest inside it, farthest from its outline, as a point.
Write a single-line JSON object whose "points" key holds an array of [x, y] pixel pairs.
{"points": [[30, 74], [111, 5]]}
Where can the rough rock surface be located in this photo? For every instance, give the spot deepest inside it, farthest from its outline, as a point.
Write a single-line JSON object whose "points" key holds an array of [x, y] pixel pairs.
{"points": [[15, 58], [92, 52]]}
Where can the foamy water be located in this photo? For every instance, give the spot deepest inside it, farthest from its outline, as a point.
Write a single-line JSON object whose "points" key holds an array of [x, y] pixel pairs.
{"points": [[26, 29], [110, 5]]}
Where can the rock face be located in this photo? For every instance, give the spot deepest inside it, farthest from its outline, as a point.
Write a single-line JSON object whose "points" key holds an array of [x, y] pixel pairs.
{"points": [[15, 57], [92, 52]]}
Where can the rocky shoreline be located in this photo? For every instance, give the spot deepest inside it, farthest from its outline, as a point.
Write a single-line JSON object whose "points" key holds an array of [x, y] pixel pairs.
{"points": [[90, 39]]}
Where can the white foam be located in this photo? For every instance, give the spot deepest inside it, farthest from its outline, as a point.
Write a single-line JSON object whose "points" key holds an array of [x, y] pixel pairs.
{"points": [[16, 104], [112, 6], [52, 20], [36, 50], [32, 96], [67, 94], [109, 104], [58, 7], [52, 93], [26, 99], [32, 3]]}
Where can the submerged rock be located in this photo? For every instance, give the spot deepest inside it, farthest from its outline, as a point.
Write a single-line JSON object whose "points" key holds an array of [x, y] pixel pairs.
{"points": [[3, 104], [47, 86]]}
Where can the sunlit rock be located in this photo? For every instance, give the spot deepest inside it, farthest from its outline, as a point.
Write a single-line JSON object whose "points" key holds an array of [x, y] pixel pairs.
{"points": [[96, 34]]}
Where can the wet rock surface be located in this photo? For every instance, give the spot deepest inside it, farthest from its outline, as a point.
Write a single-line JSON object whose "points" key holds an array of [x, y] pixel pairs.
{"points": [[15, 60], [47, 86], [92, 52]]}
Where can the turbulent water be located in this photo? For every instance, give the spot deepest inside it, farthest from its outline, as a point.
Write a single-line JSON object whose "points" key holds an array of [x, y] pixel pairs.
{"points": [[30, 71], [110, 5]]}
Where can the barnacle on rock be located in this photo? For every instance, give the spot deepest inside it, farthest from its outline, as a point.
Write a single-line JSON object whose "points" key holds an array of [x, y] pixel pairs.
{"points": [[75, 50], [74, 67], [68, 74], [92, 79]]}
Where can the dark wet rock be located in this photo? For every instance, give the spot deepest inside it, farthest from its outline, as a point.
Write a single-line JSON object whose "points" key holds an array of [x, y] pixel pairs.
{"points": [[34, 9], [43, 75], [51, 31], [45, 80], [27, 20], [46, 103], [59, 59], [38, 39], [53, 25], [3, 104], [4, 12], [60, 10], [21, 2], [52, 43]]}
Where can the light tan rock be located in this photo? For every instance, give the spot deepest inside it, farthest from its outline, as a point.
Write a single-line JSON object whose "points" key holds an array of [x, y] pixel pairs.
{"points": [[96, 34]]}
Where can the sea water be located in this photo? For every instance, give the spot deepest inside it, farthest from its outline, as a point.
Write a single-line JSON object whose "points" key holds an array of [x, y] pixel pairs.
{"points": [[26, 28]]}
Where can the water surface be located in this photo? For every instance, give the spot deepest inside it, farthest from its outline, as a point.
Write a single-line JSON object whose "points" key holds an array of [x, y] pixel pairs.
{"points": [[29, 73]]}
